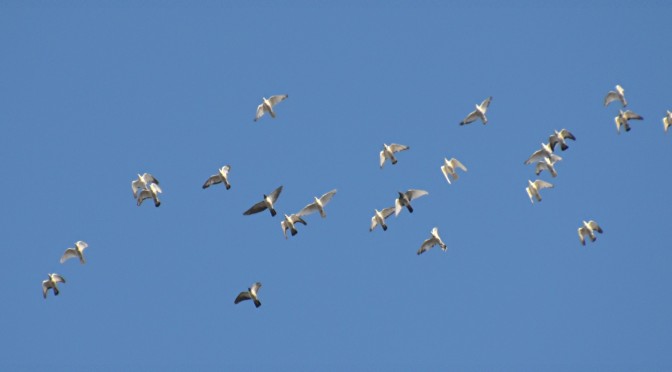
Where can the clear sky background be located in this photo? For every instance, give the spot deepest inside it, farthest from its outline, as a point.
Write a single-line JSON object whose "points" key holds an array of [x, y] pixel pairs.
{"points": [[91, 95]]}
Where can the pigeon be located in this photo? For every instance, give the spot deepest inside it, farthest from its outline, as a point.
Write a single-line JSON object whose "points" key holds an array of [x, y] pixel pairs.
{"points": [[268, 202], [615, 95], [589, 229], [544, 152], [142, 183], [560, 137], [404, 200], [448, 168], [667, 121], [433, 240], [51, 283], [479, 113], [222, 176], [388, 153], [534, 187], [288, 223], [379, 218], [546, 164], [318, 205], [622, 119], [250, 294], [77, 251], [267, 105], [153, 192]]}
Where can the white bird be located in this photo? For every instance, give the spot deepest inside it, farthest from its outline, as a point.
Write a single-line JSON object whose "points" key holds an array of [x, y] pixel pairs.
{"points": [[616, 95], [77, 251], [250, 294], [404, 200], [544, 152], [546, 164], [267, 105], [318, 205], [153, 192], [267, 203], [667, 121], [479, 113], [449, 168], [433, 240], [560, 137], [288, 223], [589, 229], [379, 218], [142, 183], [623, 117], [388, 153], [51, 283], [534, 187], [222, 176]]}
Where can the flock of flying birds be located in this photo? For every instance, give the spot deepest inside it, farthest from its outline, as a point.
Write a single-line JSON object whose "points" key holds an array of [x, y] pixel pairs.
{"points": [[146, 186]]}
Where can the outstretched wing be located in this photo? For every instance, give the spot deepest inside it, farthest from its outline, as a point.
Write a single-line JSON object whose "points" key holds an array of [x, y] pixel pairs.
{"points": [[382, 158], [324, 199], [593, 225], [260, 112], [567, 134], [57, 278], [396, 147], [414, 194], [275, 194], [68, 254], [215, 179], [541, 184], [242, 296], [456, 163], [486, 103], [427, 245], [611, 96], [274, 100], [256, 208], [308, 209], [387, 212], [629, 115], [470, 118]]}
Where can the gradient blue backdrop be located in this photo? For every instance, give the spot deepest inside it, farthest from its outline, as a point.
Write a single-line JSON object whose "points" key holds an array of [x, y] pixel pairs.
{"points": [[92, 94]]}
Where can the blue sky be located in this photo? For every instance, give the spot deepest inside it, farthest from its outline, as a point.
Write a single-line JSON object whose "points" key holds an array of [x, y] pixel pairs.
{"points": [[91, 95]]}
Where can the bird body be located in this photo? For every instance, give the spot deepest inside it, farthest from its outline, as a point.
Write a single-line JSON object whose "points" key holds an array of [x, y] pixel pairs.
{"points": [[142, 182], [559, 138], [51, 283], [379, 218], [544, 152], [267, 203], [152, 192], [222, 176], [534, 187], [618, 94], [250, 294], [77, 251], [449, 168], [588, 228], [267, 105], [546, 164], [288, 224], [388, 153], [433, 240], [404, 200], [479, 113], [623, 118], [667, 121], [318, 205]]}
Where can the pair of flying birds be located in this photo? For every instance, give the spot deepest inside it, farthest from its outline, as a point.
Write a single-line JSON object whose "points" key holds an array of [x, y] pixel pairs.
{"points": [[53, 278]]}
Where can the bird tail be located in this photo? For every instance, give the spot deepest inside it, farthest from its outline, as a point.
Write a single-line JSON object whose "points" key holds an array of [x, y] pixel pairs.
{"points": [[56, 292], [257, 303], [228, 186], [563, 147], [294, 231], [273, 212], [410, 209], [384, 227]]}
